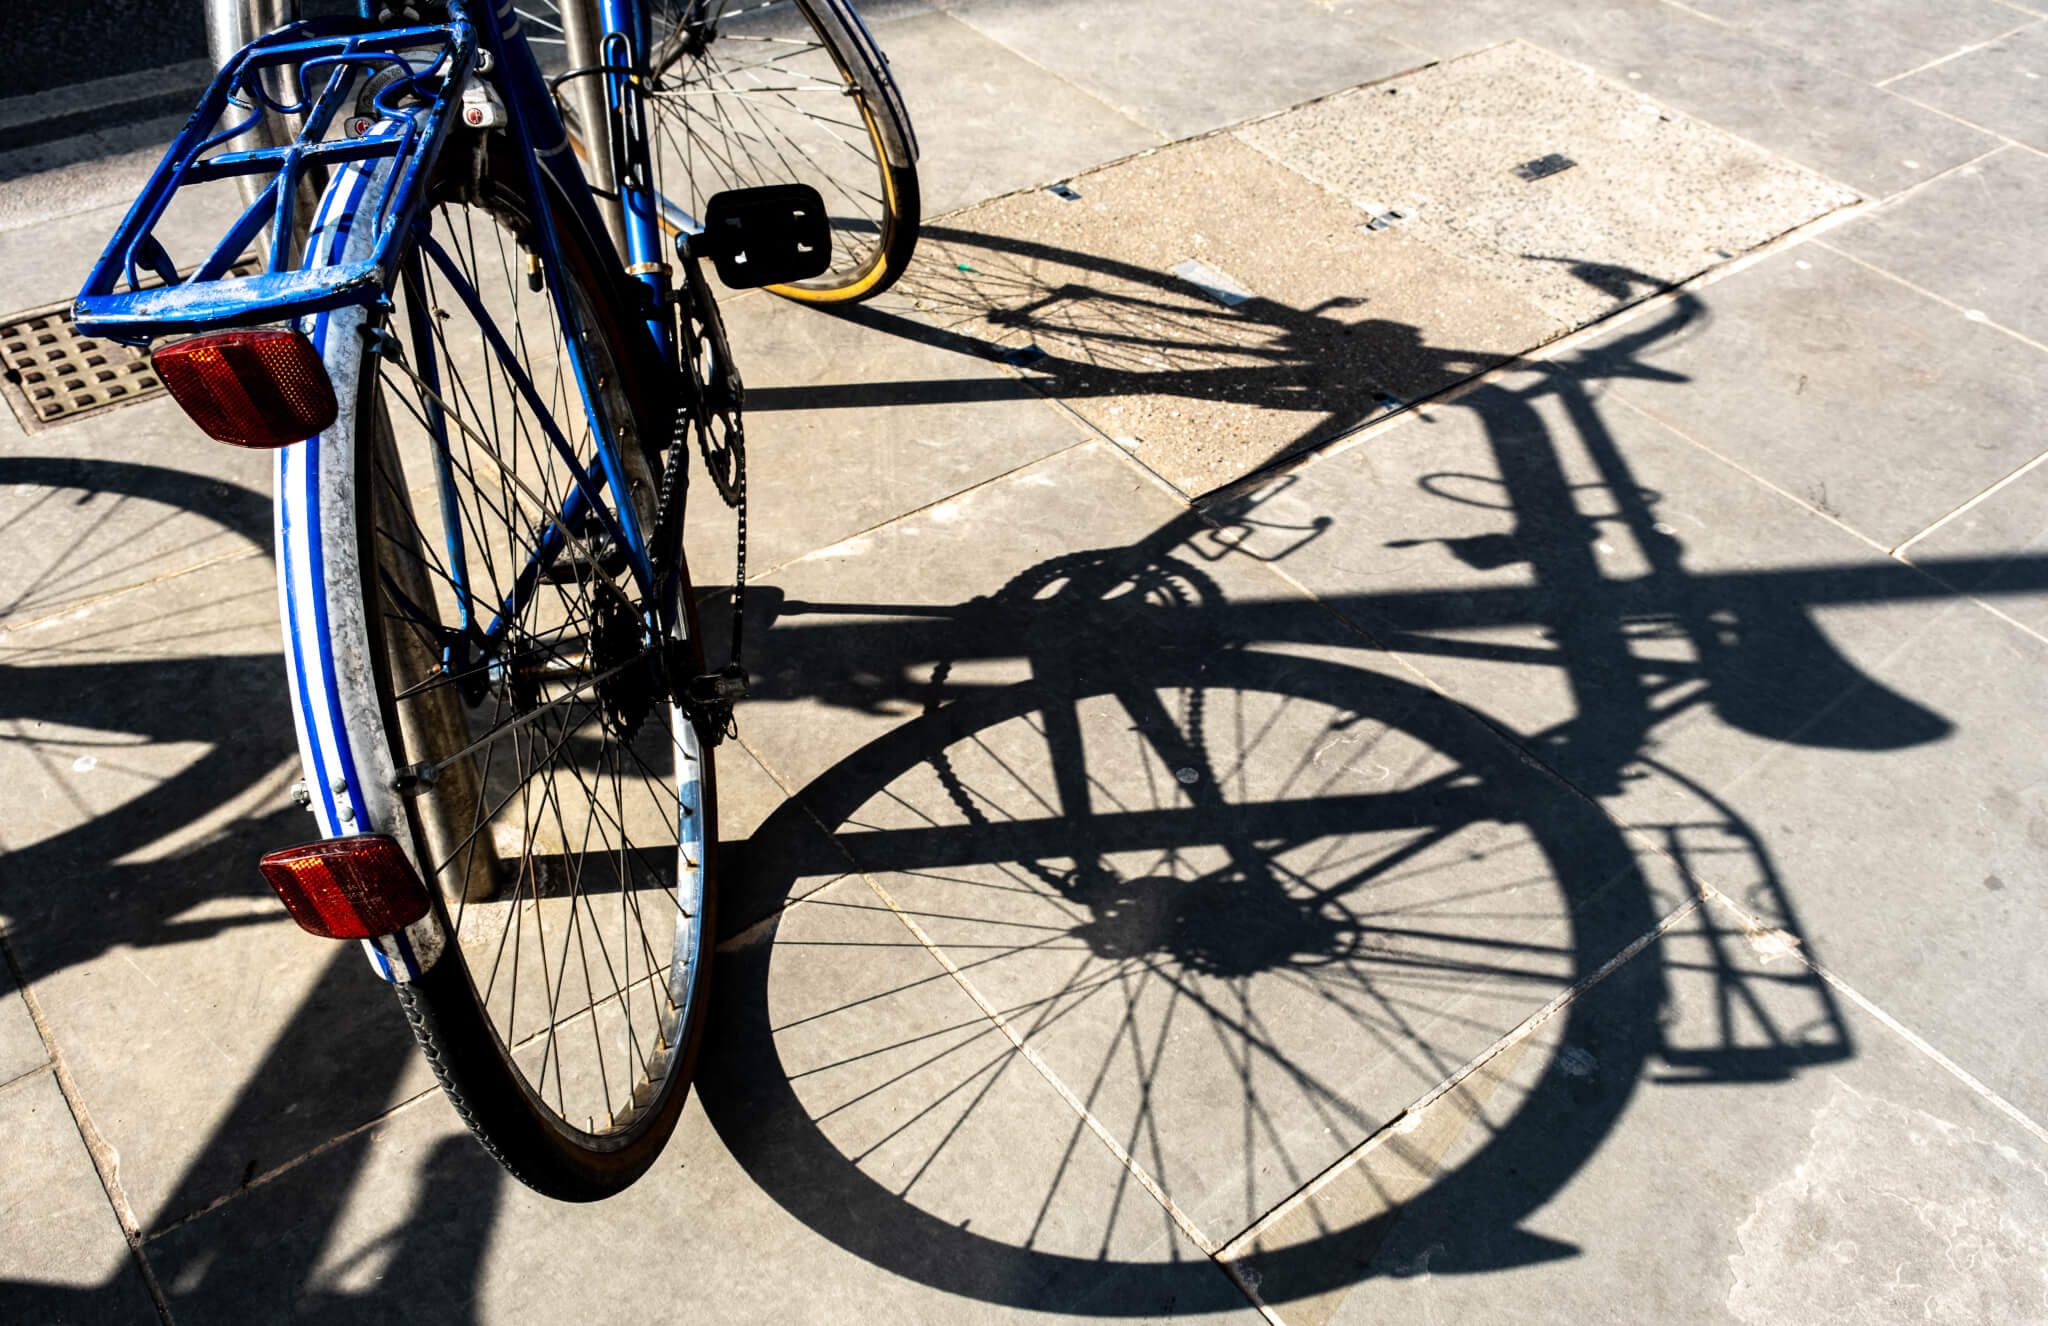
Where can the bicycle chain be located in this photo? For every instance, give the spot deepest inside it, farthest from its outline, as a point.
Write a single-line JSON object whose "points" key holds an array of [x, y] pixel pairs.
{"points": [[725, 463]]}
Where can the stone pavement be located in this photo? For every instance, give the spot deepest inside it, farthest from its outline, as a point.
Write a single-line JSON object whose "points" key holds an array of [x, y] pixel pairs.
{"points": [[1554, 671]]}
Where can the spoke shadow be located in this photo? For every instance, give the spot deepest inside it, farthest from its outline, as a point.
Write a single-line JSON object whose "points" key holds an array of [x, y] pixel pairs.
{"points": [[1227, 832]]}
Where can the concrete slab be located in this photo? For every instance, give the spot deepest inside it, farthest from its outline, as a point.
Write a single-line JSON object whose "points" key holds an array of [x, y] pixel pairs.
{"points": [[1970, 236], [1997, 86], [1870, 402], [1645, 197], [1872, 39], [1180, 69], [21, 1045], [850, 422], [873, 1147], [1338, 325], [1870, 139], [1880, 1185], [989, 121], [64, 1258]]}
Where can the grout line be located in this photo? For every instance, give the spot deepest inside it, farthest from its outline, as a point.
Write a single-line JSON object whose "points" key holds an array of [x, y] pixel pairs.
{"points": [[106, 1161], [1747, 473], [68, 609], [1900, 551], [29, 1076], [1911, 1037], [1096, 97], [1974, 47], [1402, 1122], [1016, 1038], [286, 1167], [1981, 317]]}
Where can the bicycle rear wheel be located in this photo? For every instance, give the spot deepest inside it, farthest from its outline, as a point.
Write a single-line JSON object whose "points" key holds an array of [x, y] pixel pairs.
{"points": [[747, 93], [443, 616]]}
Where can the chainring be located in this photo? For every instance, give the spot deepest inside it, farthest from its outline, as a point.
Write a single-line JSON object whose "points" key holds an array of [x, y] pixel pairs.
{"points": [[714, 384]]}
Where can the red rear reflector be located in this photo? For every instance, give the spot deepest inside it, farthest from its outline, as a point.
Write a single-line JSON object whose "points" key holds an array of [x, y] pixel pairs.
{"points": [[348, 888], [262, 388]]}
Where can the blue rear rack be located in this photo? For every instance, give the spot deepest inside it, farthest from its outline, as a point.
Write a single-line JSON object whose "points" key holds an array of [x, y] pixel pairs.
{"points": [[412, 115]]}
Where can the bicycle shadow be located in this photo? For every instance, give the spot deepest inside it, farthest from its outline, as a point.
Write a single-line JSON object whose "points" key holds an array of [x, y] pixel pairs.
{"points": [[1134, 901]]}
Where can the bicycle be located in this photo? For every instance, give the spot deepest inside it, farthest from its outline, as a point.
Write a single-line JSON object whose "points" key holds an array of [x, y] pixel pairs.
{"points": [[482, 414]]}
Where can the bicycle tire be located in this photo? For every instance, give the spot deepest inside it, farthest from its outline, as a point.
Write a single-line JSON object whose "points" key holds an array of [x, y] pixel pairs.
{"points": [[719, 123], [356, 531]]}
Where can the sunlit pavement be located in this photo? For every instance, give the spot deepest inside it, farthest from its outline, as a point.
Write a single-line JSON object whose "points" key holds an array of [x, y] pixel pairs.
{"points": [[1351, 725]]}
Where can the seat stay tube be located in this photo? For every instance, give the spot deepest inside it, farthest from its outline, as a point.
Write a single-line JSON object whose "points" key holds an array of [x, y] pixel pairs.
{"points": [[429, 369]]}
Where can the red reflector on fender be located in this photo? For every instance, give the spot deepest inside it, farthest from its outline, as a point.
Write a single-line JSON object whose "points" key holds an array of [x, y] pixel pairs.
{"points": [[262, 388], [348, 888]]}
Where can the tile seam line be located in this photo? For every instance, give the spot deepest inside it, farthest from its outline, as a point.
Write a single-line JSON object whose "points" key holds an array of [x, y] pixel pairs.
{"points": [[1886, 82], [66, 609], [1145, 1180], [105, 1160], [885, 523], [1429, 61], [1534, 357], [1900, 551], [1985, 319], [1835, 69], [285, 1167], [29, 1075], [1119, 111], [1403, 1122], [1913, 1038], [1950, 115]]}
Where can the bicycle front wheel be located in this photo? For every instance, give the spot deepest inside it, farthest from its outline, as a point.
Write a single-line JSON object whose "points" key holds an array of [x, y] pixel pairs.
{"points": [[745, 93], [477, 673]]}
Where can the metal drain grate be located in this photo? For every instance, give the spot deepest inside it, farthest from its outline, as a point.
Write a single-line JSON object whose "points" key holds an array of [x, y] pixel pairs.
{"points": [[52, 375]]}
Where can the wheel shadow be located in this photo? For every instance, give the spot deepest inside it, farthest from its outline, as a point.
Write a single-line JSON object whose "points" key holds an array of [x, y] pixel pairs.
{"points": [[1210, 894]]}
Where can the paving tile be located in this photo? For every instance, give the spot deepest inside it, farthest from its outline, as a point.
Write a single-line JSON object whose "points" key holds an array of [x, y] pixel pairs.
{"points": [[1969, 237], [1870, 39], [64, 1259], [1337, 325], [989, 121], [1867, 137], [1651, 199], [1995, 549], [850, 422], [1997, 86], [1865, 399], [1237, 1015], [21, 1045], [1180, 69], [1818, 1158], [872, 1145]]}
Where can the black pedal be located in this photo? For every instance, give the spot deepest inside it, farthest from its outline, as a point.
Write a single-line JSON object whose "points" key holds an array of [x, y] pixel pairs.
{"points": [[767, 236]]}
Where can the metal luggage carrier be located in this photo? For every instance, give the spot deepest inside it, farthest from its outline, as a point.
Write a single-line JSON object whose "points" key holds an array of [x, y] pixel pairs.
{"points": [[412, 115]]}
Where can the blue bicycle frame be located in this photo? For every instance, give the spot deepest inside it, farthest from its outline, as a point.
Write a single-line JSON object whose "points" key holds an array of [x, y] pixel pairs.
{"points": [[432, 69]]}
